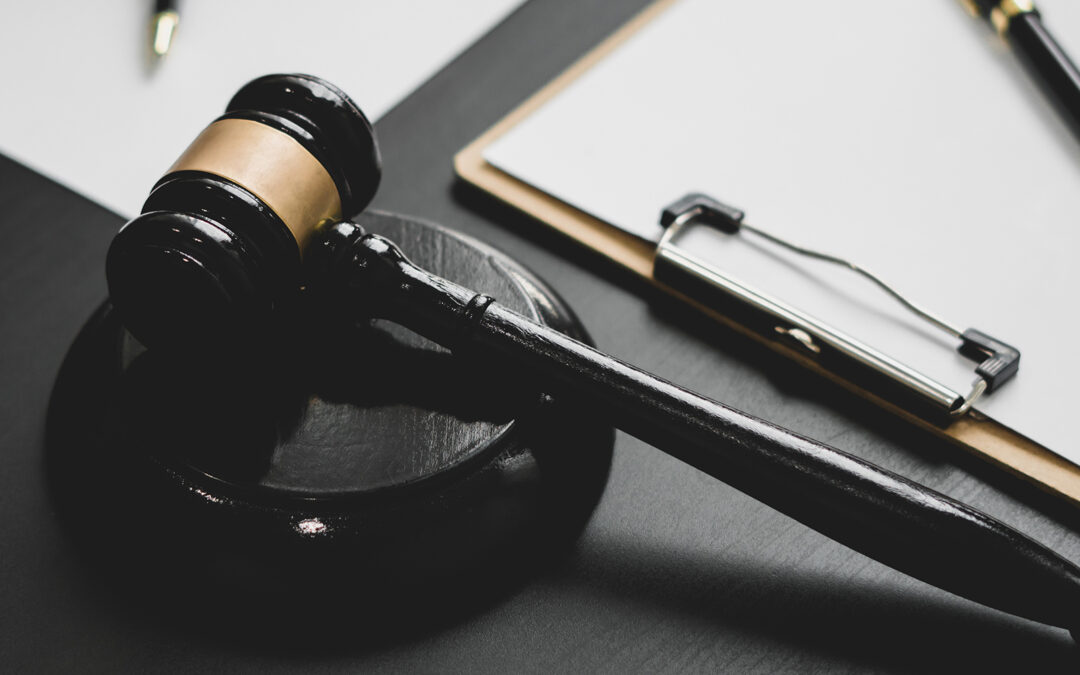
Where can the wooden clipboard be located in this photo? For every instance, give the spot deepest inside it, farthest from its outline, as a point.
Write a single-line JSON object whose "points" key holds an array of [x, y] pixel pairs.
{"points": [[975, 432]]}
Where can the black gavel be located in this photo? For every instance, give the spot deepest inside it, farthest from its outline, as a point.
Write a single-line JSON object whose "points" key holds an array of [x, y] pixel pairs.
{"points": [[249, 220]]}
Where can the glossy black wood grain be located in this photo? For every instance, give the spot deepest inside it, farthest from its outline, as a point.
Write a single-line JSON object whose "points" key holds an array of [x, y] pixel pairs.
{"points": [[368, 472], [896, 521]]}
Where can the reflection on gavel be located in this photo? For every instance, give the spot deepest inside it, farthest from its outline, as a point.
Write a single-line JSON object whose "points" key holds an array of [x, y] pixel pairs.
{"points": [[252, 213]]}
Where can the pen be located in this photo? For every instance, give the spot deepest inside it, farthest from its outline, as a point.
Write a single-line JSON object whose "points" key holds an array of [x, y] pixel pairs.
{"points": [[1019, 22], [163, 26]]}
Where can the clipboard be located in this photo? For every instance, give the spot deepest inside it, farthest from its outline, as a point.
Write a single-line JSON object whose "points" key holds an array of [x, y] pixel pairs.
{"points": [[973, 431]]}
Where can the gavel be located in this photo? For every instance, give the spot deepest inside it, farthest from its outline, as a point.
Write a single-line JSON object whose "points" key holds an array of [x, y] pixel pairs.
{"points": [[249, 222]]}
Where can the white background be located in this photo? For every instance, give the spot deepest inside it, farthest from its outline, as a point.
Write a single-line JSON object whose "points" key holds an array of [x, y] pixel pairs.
{"points": [[80, 102]]}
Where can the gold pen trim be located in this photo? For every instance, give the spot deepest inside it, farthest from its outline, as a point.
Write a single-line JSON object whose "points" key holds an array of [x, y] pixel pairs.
{"points": [[1003, 14], [971, 7], [164, 27], [271, 165]]}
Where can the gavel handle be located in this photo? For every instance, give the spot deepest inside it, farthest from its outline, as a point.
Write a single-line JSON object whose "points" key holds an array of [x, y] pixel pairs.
{"points": [[880, 514]]}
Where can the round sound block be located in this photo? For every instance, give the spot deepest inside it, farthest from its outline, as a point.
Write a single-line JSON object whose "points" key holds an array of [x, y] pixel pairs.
{"points": [[364, 466]]}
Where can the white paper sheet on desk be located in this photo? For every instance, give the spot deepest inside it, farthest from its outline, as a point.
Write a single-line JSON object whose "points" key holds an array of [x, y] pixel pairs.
{"points": [[911, 142], [79, 103]]}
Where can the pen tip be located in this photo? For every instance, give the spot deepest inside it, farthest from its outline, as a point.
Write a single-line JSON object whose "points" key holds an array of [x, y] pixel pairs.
{"points": [[163, 28]]}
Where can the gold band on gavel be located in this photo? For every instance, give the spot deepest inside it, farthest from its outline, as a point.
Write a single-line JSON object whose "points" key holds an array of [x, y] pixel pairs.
{"points": [[270, 164]]}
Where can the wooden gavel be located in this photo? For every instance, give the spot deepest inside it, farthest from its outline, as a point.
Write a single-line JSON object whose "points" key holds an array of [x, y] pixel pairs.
{"points": [[252, 213]]}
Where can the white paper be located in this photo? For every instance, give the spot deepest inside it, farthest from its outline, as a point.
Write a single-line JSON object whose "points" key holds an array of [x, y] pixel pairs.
{"points": [[80, 104], [911, 142]]}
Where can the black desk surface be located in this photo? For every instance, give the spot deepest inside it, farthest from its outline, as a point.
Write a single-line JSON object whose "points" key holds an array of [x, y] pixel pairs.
{"points": [[675, 572]]}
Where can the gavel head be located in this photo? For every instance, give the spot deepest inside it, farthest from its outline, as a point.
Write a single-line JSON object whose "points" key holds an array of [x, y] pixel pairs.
{"points": [[218, 246]]}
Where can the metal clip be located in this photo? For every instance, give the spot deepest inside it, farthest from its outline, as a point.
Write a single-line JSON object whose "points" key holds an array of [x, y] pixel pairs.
{"points": [[834, 350]]}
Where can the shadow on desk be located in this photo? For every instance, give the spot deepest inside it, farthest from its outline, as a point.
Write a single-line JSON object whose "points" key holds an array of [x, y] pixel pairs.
{"points": [[716, 601], [836, 620]]}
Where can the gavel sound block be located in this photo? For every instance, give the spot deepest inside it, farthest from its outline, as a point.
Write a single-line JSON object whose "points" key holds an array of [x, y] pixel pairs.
{"points": [[243, 243], [360, 465]]}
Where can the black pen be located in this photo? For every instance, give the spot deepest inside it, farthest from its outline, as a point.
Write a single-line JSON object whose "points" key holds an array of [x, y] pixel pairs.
{"points": [[163, 26], [1019, 22]]}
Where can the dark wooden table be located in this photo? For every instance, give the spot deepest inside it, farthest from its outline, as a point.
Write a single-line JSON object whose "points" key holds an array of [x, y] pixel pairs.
{"points": [[675, 572]]}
